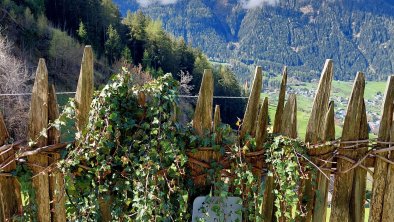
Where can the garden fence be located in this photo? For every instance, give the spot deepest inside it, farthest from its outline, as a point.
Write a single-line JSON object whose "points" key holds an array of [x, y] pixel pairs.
{"points": [[349, 158]]}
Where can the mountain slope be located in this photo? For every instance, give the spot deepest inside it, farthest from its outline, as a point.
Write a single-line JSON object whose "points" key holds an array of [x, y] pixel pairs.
{"points": [[357, 35]]}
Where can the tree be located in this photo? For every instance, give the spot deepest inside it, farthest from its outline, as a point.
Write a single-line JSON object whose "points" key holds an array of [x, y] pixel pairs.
{"points": [[82, 34], [126, 55], [113, 45], [146, 61], [136, 24]]}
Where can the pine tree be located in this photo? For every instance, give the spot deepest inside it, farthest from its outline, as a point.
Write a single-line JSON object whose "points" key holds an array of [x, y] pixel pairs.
{"points": [[126, 55], [82, 33], [146, 60], [113, 45]]}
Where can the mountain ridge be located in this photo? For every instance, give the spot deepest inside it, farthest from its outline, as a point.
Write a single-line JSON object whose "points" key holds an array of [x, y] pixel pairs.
{"points": [[299, 34]]}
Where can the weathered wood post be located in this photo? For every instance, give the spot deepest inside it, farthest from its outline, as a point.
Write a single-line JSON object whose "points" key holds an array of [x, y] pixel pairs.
{"points": [[216, 123], [321, 198], [388, 203], [340, 209], [357, 201], [38, 122], [252, 108], [268, 201], [315, 131], [202, 121], [83, 100], [56, 179], [379, 187], [289, 126], [85, 88], [281, 103], [261, 125], [261, 135], [202, 124], [9, 187], [289, 119], [251, 113]]}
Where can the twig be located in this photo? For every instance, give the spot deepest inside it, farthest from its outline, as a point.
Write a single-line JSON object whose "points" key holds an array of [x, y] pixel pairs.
{"points": [[328, 178], [352, 161], [44, 149]]}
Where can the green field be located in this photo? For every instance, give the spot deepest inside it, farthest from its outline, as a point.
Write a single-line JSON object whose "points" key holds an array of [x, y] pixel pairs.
{"points": [[339, 89]]}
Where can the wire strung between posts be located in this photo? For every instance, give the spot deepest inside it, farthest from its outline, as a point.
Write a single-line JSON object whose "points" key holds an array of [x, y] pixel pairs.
{"points": [[181, 96], [29, 94]]}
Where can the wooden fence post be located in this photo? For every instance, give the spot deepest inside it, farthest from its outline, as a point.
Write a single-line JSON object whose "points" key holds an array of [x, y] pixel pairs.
{"points": [[85, 88], [320, 205], [250, 117], [340, 210], [56, 179], [289, 122], [262, 123], [388, 203], [38, 122], [216, 123], [281, 103], [202, 120], [381, 167], [10, 199], [268, 201], [315, 131], [315, 127], [357, 201]]}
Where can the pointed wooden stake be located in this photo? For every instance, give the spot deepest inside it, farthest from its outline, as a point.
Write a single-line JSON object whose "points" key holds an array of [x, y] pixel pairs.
{"points": [[56, 179], [289, 123], [320, 207], [250, 117], [315, 129], [262, 123], [202, 121], [268, 205], [388, 203], [357, 202], [85, 88], [281, 103], [216, 123], [38, 122], [53, 114], [340, 209], [379, 190]]}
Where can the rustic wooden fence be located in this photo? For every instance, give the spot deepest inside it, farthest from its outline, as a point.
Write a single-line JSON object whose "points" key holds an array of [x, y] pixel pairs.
{"points": [[349, 158]]}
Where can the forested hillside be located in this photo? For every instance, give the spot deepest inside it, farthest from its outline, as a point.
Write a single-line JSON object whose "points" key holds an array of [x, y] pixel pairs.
{"points": [[57, 30], [357, 35]]}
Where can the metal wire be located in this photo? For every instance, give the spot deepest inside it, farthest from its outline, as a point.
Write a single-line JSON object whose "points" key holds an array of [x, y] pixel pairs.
{"points": [[181, 96], [29, 94]]}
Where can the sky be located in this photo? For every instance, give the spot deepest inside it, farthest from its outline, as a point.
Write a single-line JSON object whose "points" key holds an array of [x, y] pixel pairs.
{"points": [[247, 4]]}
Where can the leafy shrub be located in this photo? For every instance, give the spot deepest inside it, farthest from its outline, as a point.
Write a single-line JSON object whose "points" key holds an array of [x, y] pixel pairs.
{"points": [[130, 156]]}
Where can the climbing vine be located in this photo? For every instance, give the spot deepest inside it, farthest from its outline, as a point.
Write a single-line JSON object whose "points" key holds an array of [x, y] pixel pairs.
{"points": [[129, 162], [285, 156]]}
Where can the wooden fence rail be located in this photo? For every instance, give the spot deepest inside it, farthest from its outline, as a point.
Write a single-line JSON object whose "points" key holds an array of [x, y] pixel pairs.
{"points": [[349, 158]]}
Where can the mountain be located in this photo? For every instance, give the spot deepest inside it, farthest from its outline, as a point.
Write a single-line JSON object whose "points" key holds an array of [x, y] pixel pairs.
{"points": [[357, 34]]}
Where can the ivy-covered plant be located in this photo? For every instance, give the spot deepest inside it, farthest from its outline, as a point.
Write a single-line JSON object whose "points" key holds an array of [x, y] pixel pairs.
{"points": [[286, 155], [129, 162]]}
